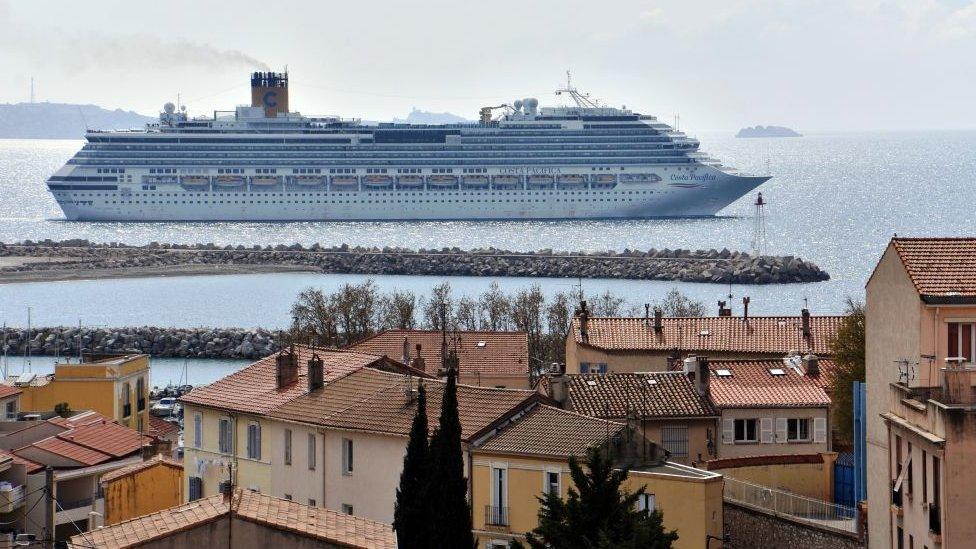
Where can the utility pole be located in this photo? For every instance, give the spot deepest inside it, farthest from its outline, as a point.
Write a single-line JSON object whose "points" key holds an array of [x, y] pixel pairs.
{"points": [[49, 508]]}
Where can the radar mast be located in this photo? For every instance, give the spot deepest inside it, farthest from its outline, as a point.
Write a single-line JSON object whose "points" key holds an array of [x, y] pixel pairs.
{"points": [[582, 100]]}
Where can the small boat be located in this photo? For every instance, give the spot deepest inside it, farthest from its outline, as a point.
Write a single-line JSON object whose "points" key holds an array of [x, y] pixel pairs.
{"points": [[265, 180], [539, 182], [345, 183], [159, 179], [164, 408], [229, 181], [307, 180], [195, 182], [377, 182], [442, 181], [410, 182], [639, 178], [475, 181], [506, 182], [571, 181], [604, 181]]}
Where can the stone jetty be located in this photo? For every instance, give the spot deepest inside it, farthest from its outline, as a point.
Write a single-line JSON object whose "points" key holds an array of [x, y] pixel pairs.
{"points": [[159, 342], [74, 258]]}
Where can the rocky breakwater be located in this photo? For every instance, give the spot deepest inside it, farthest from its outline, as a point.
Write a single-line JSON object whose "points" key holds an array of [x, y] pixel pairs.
{"points": [[715, 266], [160, 342]]}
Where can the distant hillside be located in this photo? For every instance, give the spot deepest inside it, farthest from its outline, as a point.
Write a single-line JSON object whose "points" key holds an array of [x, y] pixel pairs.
{"points": [[424, 117], [62, 120], [767, 131]]}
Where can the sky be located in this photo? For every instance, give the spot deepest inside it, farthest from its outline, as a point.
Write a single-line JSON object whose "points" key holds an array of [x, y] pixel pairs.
{"points": [[719, 64]]}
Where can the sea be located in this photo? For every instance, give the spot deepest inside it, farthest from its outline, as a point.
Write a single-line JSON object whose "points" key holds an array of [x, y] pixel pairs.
{"points": [[836, 198]]}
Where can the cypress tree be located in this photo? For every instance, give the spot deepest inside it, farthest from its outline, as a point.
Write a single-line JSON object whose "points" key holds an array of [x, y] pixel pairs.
{"points": [[411, 514], [450, 514]]}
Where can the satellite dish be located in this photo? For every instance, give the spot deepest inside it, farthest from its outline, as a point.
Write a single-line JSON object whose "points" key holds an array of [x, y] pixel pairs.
{"points": [[169, 108], [517, 105]]}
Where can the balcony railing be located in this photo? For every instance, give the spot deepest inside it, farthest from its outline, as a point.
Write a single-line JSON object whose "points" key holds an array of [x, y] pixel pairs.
{"points": [[935, 519], [496, 516], [68, 504], [779, 502]]}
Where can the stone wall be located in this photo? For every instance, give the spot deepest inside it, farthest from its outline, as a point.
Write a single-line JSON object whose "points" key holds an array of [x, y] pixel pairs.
{"points": [[715, 266], [749, 528]]}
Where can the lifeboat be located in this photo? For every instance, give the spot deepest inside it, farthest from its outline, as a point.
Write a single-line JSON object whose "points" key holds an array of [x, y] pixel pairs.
{"points": [[265, 181], [475, 181], [604, 181], [195, 182], [539, 182], [639, 178], [158, 179], [345, 183], [506, 182], [377, 182], [410, 182], [571, 181], [229, 181], [307, 180], [442, 181]]}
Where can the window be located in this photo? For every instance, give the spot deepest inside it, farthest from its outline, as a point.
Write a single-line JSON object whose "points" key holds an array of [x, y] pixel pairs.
{"points": [[287, 446], [226, 436], [311, 502], [254, 441], [910, 478], [745, 430], [601, 368], [497, 514], [647, 503], [552, 483], [584, 367], [311, 452], [797, 429], [674, 439], [347, 509], [12, 409], [288, 497], [925, 477], [195, 488], [197, 431], [346, 456], [960, 342]]}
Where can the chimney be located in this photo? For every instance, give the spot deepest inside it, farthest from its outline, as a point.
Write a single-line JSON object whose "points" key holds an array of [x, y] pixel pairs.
{"points": [[722, 310], [805, 314], [647, 314], [405, 357], [287, 368], [270, 91], [316, 373], [557, 386], [584, 320], [658, 323], [418, 361], [745, 309], [703, 375], [811, 364]]}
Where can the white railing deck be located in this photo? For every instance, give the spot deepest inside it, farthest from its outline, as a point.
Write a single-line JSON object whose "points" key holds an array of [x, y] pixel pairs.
{"points": [[794, 506]]}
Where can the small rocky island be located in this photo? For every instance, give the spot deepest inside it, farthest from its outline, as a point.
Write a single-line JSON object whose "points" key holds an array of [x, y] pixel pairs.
{"points": [[80, 259], [767, 131]]}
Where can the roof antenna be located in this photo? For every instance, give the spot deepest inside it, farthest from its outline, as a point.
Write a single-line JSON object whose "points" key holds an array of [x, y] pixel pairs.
{"points": [[759, 226]]}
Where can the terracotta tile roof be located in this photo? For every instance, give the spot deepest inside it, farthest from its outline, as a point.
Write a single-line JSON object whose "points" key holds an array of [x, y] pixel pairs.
{"points": [[485, 352], [9, 391], [761, 334], [323, 525], [253, 390], [107, 437], [157, 460], [81, 418], [30, 466], [374, 400], [650, 395], [69, 450], [162, 429], [752, 385], [939, 267], [550, 431]]}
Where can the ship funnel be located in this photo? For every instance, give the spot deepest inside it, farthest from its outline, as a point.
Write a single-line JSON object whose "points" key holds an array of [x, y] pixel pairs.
{"points": [[269, 90]]}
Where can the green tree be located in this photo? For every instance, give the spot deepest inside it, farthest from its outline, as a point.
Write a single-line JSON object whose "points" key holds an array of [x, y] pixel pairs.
{"points": [[677, 304], [411, 513], [597, 513], [63, 409], [450, 516], [847, 350]]}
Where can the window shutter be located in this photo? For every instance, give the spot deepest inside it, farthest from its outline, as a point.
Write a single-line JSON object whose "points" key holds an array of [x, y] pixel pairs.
{"points": [[820, 430], [257, 437], [728, 431], [196, 488], [781, 430], [766, 430]]}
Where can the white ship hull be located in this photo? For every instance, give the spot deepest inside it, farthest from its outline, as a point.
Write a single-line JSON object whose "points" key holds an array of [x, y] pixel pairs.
{"points": [[673, 196]]}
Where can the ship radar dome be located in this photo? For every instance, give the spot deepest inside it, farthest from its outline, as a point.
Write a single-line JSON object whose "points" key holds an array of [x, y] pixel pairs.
{"points": [[169, 108], [532, 102], [517, 105]]}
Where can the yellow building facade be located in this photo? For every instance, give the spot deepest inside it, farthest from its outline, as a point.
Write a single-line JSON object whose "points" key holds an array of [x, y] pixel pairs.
{"points": [[114, 386], [142, 488]]}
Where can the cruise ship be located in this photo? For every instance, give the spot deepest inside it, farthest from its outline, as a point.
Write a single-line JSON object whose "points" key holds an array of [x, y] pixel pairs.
{"points": [[262, 162]]}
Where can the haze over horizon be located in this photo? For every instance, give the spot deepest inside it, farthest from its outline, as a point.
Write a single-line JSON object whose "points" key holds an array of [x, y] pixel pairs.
{"points": [[842, 65]]}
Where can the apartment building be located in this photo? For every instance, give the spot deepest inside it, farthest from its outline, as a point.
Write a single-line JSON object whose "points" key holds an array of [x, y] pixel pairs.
{"points": [[485, 358], [657, 343], [921, 369]]}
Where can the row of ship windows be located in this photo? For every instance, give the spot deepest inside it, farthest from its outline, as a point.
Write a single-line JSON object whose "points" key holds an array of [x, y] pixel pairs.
{"points": [[250, 160], [235, 195], [361, 201]]}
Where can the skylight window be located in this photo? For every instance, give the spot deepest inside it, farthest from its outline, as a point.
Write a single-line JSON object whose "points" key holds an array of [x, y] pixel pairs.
{"points": [[482, 343], [705, 333], [591, 383], [723, 373], [777, 371], [652, 382]]}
